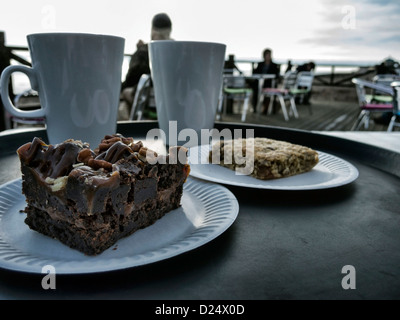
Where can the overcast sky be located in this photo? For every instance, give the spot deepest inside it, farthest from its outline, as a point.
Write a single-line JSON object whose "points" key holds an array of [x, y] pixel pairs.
{"points": [[356, 30]]}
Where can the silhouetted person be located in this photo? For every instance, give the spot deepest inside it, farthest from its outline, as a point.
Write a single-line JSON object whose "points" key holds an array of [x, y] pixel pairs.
{"points": [[267, 66], [387, 66], [309, 66], [230, 65], [161, 27], [289, 66]]}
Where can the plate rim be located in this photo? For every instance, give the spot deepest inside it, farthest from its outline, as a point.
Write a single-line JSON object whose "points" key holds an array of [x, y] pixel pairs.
{"points": [[266, 184], [193, 186]]}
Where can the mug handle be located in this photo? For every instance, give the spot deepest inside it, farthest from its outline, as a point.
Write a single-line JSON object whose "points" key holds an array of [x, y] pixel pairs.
{"points": [[8, 105]]}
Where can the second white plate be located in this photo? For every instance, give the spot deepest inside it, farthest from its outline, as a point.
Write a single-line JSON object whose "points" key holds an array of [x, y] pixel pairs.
{"points": [[331, 171]]}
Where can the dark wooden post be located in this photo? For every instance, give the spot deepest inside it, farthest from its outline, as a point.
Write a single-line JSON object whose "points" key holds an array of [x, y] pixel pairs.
{"points": [[332, 75], [4, 63], [6, 55]]}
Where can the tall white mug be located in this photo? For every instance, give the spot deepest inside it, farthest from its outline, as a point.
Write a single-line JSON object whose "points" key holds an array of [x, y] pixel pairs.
{"points": [[187, 79], [78, 78]]}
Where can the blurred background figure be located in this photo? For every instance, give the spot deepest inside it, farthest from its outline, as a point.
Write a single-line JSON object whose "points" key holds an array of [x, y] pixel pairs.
{"points": [[161, 28], [230, 66], [289, 66], [309, 66], [267, 66], [387, 66]]}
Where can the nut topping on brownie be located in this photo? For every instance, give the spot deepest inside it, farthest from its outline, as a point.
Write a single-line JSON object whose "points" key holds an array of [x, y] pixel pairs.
{"points": [[272, 158]]}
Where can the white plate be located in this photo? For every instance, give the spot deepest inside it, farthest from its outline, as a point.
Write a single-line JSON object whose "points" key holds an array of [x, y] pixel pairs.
{"points": [[330, 172], [207, 211]]}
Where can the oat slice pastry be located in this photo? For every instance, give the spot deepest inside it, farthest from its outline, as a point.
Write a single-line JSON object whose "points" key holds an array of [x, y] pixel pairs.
{"points": [[272, 159]]}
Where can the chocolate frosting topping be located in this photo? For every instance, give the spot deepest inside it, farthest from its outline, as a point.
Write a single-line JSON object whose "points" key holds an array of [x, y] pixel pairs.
{"points": [[115, 152], [51, 161], [59, 160]]}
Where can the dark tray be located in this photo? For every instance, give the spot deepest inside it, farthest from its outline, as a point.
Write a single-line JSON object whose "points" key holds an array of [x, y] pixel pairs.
{"points": [[283, 245]]}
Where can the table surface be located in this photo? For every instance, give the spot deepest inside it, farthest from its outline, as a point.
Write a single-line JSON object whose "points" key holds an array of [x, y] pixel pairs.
{"points": [[283, 244], [382, 139], [261, 76]]}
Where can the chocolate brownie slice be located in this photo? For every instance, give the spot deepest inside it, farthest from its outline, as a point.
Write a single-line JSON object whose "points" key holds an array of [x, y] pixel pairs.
{"points": [[89, 199]]}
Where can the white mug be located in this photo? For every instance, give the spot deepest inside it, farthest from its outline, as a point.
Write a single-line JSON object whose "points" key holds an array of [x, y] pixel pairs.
{"points": [[187, 79], [78, 78]]}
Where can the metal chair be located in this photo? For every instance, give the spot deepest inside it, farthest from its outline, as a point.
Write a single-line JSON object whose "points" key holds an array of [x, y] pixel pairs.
{"points": [[144, 98], [234, 87], [31, 103], [395, 120], [384, 79], [283, 94], [302, 87], [366, 107]]}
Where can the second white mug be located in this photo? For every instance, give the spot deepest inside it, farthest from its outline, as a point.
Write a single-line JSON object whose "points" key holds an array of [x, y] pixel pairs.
{"points": [[187, 78]]}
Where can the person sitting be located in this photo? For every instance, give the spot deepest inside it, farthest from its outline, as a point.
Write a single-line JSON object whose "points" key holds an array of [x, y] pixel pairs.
{"points": [[267, 66], [388, 66], [161, 28], [309, 66]]}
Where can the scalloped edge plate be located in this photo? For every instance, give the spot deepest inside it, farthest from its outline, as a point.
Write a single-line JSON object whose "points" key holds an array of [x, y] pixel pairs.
{"points": [[330, 172], [207, 211]]}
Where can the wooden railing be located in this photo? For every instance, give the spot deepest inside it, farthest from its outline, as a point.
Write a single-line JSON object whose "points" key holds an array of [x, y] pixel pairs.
{"points": [[332, 78]]}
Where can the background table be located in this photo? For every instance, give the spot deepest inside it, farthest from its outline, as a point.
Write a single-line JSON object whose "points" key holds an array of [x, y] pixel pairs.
{"points": [[260, 78], [283, 245]]}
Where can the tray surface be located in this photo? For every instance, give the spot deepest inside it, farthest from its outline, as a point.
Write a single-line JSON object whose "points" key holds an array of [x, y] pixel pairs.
{"points": [[283, 244]]}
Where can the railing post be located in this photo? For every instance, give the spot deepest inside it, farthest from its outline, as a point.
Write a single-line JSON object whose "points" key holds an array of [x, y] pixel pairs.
{"points": [[332, 75], [4, 63]]}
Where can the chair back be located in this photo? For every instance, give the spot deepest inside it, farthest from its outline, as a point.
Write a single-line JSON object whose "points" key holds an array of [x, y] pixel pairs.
{"points": [[304, 80], [385, 79], [289, 80], [144, 92], [360, 90], [396, 98], [231, 81], [228, 71], [27, 100], [362, 84]]}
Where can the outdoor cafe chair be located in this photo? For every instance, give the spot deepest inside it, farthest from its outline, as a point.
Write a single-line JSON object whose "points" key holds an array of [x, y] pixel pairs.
{"points": [[235, 88], [32, 103], [283, 94], [303, 86], [143, 100], [367, 107], [395, 120], [384, 79]]}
